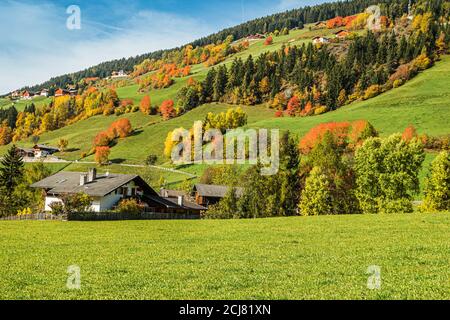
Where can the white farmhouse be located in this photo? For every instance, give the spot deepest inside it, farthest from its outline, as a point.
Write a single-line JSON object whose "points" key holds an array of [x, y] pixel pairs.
{"points": [[107, 191], [322, 40]]}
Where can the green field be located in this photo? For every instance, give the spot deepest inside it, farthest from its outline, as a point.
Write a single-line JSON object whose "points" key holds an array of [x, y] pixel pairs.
{"points": [[21, 104], [284, 258]]}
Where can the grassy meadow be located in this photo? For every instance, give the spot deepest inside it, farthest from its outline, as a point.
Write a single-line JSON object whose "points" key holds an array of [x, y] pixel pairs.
{"points": [[284, 258], [21, 104]]}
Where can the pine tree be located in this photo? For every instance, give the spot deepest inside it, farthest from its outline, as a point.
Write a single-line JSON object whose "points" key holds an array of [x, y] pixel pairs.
{"points": [[208, 86], [11, 170], [289, 175], [12, 117], [220, 83]]}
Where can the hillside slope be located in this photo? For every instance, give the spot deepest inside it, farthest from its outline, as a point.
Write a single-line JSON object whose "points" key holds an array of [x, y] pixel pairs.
{"points": [[423, 102]]}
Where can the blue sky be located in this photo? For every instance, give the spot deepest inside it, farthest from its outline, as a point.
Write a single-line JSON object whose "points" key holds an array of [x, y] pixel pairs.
{"points": [[36, 45]]}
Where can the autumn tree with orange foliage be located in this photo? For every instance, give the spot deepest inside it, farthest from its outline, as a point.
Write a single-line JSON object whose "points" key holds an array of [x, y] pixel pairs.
{"points": [[126, 102], [192, 82], [119, 129], [164, 77], [167, 109], [279, 114], [344, 133], [102, 155], [269, 41], [122, 128], [409, 133], [307, 110], [335, 23], [347, 21], [102, 139], [146, 105], [5, 134], [293, 106]]}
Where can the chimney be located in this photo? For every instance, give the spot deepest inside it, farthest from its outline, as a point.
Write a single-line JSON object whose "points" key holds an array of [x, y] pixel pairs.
{"points": [[92, 175], [180, 201], [83, 179]]}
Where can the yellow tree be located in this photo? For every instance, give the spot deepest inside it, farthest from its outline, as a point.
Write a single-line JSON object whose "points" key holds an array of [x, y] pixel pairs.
{"points": [[264, 85], [62, 144], [5, 134]]}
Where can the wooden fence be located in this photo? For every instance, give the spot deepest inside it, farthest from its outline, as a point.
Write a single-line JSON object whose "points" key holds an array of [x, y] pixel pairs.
{"points": [[37, 216], [113, 216], [105, 216]]}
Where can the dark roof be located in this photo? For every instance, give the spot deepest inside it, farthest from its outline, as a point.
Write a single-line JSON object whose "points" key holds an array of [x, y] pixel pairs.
{"points": [[214, 191], [166, 193], [163, 201], [186, 204], [340, 31], [25, 150], [69, 182], [45, 147]]}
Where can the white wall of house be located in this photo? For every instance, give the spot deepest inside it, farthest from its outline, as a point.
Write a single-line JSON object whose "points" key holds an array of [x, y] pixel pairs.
{"points": [[49, 200], [99, 204], [108, 202]]}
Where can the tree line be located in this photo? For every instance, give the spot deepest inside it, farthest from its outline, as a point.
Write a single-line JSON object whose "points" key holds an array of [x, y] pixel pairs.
{"points": [[347, 169]]}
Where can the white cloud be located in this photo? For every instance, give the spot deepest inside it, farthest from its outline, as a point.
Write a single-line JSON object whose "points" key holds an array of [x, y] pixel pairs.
{"points": [[35, 44]]}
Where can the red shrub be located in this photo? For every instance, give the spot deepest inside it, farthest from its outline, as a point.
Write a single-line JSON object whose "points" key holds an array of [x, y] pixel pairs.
{"points": [[126, 102], [269, 41], [335, 23], [167, 109], [293, 106], [279, 114], [409, 133]]}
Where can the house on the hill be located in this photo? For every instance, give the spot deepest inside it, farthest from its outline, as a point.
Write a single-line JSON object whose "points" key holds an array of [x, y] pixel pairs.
{"points": [[39, 151], [118, 74], [15, 95], [25, 152], [256, 37], [106, 191], [61, 92], [342, 34], [206, 195], [320, 25], [42, 150], [44, 93], [320, 40], [27, 95]]}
